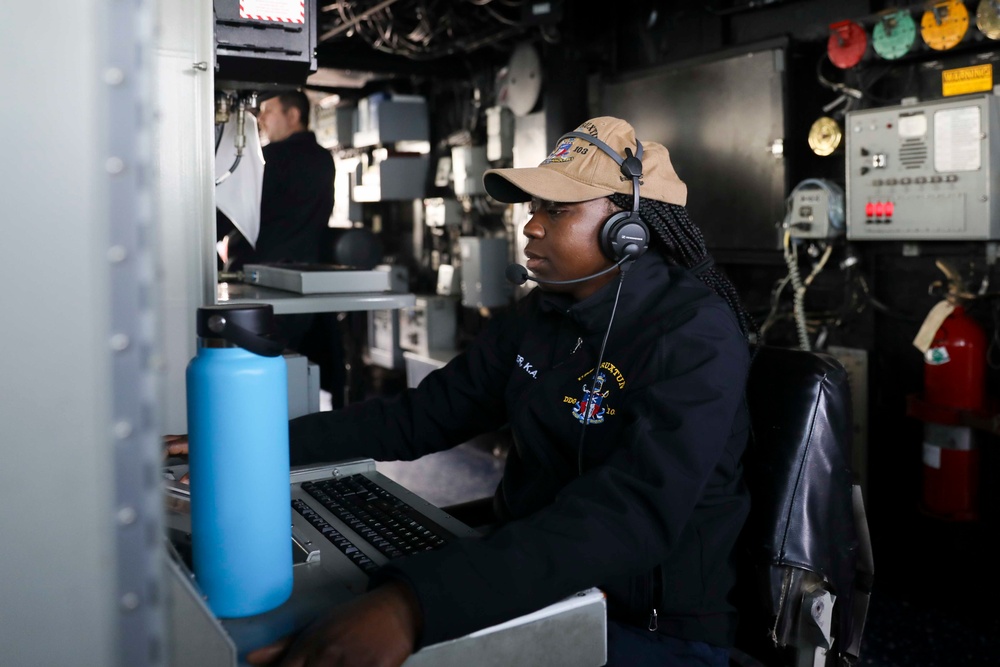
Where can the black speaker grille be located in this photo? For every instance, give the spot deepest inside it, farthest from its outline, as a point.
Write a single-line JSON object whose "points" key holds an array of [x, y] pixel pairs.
{"points": [[913, 153]]}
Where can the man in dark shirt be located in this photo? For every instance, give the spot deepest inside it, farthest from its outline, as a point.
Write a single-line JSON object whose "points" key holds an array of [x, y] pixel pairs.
{"points": [[297, 196], [296, 199]]}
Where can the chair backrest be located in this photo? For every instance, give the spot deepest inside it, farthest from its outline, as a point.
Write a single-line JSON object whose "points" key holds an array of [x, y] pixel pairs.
{"points": [[805, 546]]}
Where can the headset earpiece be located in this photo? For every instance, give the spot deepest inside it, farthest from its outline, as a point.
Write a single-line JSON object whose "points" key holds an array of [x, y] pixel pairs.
{"points": [[624, 234]]}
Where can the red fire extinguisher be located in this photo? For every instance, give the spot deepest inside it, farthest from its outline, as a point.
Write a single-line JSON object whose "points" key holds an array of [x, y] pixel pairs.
{"points": [[955, 364], [954, 379]]}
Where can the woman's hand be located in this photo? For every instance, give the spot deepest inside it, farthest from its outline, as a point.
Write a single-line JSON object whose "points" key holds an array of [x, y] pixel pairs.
{"points": [[176, 445], [377, 629]]}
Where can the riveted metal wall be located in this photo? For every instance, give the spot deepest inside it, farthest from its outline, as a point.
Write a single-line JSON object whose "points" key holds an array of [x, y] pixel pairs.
{"points": [[80, 507]]}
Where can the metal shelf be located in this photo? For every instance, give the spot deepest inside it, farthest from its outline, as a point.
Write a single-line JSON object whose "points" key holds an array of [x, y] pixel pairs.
{"points": [[290, 303]]}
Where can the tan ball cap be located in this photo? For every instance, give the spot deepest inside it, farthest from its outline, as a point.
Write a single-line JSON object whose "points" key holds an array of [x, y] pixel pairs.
{"points": [[577, 170]]}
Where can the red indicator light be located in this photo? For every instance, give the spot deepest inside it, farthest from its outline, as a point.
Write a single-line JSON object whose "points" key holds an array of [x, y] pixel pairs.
{"points": [[888, 209], [869, 209], [879, 209]]}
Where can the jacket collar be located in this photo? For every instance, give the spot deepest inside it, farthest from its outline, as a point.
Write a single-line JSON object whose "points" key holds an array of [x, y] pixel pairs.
{"points": [[296, 138], [647, 277]]}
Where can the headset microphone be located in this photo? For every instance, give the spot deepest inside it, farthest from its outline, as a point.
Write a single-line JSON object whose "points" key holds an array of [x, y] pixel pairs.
{"points": [[518, 275]]}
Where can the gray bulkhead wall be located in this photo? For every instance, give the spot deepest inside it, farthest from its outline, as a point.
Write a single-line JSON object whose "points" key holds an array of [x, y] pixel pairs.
{"points": [[185, 150], [80, 503]]}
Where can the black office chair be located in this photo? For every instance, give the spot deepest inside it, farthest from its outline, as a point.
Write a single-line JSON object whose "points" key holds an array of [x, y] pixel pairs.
{"points": [[805, 554]]}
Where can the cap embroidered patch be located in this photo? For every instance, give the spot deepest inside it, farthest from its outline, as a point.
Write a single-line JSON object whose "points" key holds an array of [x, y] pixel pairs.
{"points": [[561, 153]]}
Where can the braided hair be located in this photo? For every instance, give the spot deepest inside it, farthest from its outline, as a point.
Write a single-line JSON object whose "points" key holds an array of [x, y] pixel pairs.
{"points": [[681, 242]]}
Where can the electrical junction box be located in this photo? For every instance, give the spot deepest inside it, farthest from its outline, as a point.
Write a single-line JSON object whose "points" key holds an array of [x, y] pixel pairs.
{"points": [[449, 280], [334, 126], [815, 210], [393, 177], [484, 261], [383, 339], [809, 217], [924, 172], [430, 324], [384, 119], [346, 209], [441, 212], [499, 134], [442, 172], [303, 385], [468, 163]]}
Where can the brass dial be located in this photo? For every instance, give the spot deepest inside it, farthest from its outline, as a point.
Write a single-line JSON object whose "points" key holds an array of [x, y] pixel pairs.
{"points": [[988, 18], [825, 136]]}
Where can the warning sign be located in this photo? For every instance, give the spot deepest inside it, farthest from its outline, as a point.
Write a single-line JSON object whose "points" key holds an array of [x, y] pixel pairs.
{"points": [[282, 11], [964, 80]]}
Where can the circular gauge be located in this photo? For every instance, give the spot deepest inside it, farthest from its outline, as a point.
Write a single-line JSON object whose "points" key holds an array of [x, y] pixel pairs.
{"points": [[988, 18], [825, 136], [944, 24], [847, 44], [894, 34]]}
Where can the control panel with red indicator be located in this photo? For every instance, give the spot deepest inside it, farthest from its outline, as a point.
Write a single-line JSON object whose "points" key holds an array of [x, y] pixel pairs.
{"points": [[879, 212], [925, 171]]}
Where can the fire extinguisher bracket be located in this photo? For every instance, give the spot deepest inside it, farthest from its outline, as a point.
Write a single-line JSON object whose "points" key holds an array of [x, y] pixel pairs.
{"points": [[984, 419]]}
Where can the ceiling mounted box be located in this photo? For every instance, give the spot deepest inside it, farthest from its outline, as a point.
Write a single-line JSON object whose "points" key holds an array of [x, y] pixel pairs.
{"points": [[264, 42]]}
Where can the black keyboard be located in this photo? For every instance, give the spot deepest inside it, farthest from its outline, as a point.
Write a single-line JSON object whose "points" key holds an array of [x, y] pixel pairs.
{"points": [[346, 547], [388, 523]]}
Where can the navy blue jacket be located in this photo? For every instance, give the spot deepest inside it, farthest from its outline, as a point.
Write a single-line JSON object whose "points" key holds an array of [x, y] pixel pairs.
{"points": [[653, 517]]}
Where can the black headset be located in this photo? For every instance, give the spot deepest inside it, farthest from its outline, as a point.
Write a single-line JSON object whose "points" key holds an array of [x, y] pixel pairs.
{"points": [[624, 234]]}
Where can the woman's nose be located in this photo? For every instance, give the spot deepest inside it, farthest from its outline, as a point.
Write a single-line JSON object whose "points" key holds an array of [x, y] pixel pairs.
{"points": [[533, 229]]}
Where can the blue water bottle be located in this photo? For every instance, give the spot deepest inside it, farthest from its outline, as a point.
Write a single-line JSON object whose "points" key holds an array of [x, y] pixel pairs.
{"points": [[237, 406]]}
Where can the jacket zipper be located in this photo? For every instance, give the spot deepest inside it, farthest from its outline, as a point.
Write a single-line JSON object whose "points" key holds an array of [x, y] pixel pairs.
{"points": [[657, 586], [576, 347]]}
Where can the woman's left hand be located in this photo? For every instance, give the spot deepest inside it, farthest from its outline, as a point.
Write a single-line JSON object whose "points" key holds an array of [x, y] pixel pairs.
{"points": [[377, 629]]}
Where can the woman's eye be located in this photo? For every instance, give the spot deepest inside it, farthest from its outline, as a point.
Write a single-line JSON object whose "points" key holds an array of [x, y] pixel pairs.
{"points": [[550, 210]]}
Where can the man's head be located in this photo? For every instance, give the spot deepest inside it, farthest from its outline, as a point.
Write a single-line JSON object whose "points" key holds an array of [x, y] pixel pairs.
{"points": [[284, 115]]}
